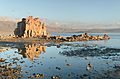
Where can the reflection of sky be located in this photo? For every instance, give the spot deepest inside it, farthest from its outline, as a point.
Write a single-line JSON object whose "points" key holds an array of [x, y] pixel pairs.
{"points": [[47, 63]]}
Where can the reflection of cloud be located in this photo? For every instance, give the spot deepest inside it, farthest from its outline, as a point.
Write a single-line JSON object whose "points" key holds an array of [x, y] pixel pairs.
{"points": [[34, 50]]}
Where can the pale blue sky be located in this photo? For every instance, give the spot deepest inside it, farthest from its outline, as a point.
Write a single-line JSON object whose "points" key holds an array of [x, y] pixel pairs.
{"points": [[65, 10]]}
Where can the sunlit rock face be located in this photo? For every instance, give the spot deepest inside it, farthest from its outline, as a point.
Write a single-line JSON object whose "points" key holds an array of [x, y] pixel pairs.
{"points": [[30, 27]]}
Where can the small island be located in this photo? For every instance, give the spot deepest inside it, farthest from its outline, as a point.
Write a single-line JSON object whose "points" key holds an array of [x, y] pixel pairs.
{"points": [[32, 29]]}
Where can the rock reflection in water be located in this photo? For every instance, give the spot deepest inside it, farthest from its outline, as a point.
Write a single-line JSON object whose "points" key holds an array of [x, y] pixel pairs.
{"points": [[34, 50], [31, 51]]}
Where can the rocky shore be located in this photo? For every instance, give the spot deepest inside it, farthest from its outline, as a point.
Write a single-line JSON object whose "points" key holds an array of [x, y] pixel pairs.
{"points": [[73, 38], [81, 37]]}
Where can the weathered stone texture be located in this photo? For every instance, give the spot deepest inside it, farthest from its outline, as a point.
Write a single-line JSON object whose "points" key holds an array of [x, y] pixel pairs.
{"points": [[30, 27]]}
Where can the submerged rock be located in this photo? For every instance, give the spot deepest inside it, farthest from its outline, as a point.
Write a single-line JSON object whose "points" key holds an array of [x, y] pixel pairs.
{"points": [[90, 51], [58, 68], [68, 64]]}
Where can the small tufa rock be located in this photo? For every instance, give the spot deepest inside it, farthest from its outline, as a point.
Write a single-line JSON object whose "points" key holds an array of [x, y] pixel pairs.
{"points": [[2, 59], [89, 67], [38, 75], [55, 77]]}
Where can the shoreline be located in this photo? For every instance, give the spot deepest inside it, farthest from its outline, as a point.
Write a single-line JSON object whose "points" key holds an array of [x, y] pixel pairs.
{"points": [[45, 39]]}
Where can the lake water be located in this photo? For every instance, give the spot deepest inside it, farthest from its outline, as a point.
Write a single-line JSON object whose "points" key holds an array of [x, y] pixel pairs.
{"points": [[68, 60]]}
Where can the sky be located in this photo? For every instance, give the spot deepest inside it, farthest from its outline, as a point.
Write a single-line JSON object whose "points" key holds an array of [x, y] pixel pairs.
{"points": [[95, 11]]}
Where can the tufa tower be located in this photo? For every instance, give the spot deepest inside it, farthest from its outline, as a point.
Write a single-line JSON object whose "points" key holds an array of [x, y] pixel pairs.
{"points": [[30, 27]]}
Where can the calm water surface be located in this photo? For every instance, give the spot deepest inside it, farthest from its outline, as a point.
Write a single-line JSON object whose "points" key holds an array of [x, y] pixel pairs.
{"points": [[49, 59]]}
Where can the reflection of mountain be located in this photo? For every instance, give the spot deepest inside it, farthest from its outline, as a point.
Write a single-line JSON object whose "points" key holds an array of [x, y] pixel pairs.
{"points": [[34, 50]]}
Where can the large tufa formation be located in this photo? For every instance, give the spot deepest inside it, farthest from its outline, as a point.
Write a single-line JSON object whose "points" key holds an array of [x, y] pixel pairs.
{"points": [[30, 27]]}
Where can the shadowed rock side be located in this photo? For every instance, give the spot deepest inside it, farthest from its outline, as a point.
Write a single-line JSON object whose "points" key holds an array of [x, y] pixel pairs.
{"points": [[30, 27]]}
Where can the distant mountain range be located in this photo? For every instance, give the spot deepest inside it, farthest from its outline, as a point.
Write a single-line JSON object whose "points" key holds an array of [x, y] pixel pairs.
{"points": [[116, 30], [56, 26], [7, 26]]}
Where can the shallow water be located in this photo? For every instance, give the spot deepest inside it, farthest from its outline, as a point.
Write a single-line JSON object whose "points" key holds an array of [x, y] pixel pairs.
{"points": [[49, 59]]}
